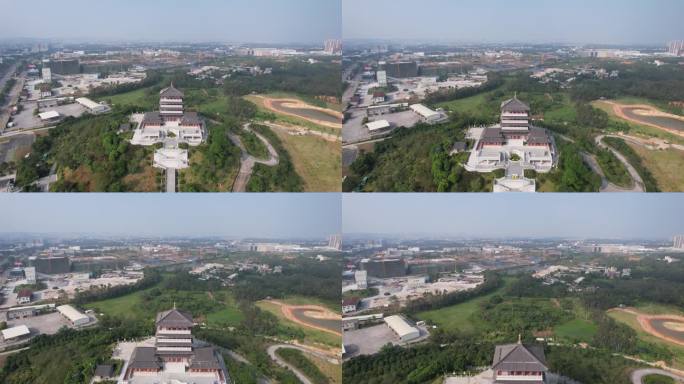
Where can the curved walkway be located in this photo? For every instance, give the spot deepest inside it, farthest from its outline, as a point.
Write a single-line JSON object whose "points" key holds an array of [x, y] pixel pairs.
{"points": [[638, 375], [638, 182], [247, 161], [607, 186]]}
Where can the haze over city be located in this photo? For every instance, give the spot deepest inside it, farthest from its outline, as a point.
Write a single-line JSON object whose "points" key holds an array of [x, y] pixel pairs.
{"points": [[498, 21], [260, 215], [624, 216], [254, 21]]}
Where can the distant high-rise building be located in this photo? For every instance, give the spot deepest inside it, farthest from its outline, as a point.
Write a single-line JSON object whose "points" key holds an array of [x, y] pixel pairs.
{"points": [[47, 75], [382, 78], [678, 242], [401, 69], [333, 46], [361, 278], [335, 242], [676, 48]]}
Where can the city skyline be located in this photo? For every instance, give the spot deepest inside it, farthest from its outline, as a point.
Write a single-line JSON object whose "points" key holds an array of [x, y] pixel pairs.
{"points": [[255, 21], [620, 216], [494, 21], [282, 215]]}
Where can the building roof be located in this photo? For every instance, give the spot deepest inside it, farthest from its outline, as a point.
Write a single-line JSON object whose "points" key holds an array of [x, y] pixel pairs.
{"points": [[48, 115], [171, 91], [191, 118], [519, 357], [25, 293], [538, 136], [72, 313], [492, 134], [204, 358], [376, 125], [514, 105], [351, 301], [14, 332], [423, 110], [174, 318], [378, 94], [459, 146], [86, 102], [104, 370], [401, 326], [152, 118], [144, 357]]}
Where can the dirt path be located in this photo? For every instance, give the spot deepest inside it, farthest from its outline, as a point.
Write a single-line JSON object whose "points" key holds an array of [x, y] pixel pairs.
{"points": [[644, 321], [287, 309], [294, 103], [302, 131], [652, 111], [248, 161], [312, 351]]}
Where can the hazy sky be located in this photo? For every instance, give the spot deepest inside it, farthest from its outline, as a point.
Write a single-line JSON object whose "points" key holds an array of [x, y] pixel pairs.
{"points": [[267, 21], [240, 215], [493, 21], [657, 215]]}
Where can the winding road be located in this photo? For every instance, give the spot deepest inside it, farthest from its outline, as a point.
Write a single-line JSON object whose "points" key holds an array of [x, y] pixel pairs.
{"points": [[607, 186], [305, 380], [638, 182], [247, 161], [638, 375]]}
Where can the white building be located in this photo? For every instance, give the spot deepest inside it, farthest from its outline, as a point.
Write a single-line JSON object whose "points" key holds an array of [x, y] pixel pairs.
{"points": [[382, 78], [513, 144], [75, 317], [30, 274], [47, 75], [14, 333], [404, 330], [92, 106], [49, 116], [170, 121], [378, 126], [350, 305], [427, 115], [361, 278]]}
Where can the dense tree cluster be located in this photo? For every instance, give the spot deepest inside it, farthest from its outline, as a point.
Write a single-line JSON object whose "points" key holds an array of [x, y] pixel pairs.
{"points": [[650, 183], [309, 369]]}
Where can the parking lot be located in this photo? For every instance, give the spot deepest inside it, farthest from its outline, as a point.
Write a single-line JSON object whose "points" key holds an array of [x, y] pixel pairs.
{"points": [[369, 340], [47, 324], [27, 119]]}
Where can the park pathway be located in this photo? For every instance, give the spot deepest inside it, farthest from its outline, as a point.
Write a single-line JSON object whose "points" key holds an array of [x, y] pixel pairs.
{"points": [[248, 161]]}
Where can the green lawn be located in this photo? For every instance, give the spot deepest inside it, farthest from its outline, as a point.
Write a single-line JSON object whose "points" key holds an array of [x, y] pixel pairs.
{"points": [[132, 306], [576, 330], [459, 317]]}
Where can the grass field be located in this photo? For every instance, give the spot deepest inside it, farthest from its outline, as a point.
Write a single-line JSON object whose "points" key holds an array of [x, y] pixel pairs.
{"points": [[317, 161], [576, 330], [312, 336], [332, 371], [132, 306], [631, 321], [469, 104], [459, 317], [665, 165]]}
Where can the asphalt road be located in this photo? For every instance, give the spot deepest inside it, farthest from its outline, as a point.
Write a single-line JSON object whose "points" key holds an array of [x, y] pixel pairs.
{"points": [[170, 180], [638, 375], [638, 181], [272, 353]]}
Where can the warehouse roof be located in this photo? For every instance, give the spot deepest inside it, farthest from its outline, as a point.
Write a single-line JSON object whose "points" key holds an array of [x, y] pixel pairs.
{"points": [[48, 115], [72, 313], [14, 332], [400, 325], [377, 125]]}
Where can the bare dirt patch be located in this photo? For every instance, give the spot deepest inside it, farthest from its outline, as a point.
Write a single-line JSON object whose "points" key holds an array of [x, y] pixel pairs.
{"points": [[321, 313], [294, 103]]}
